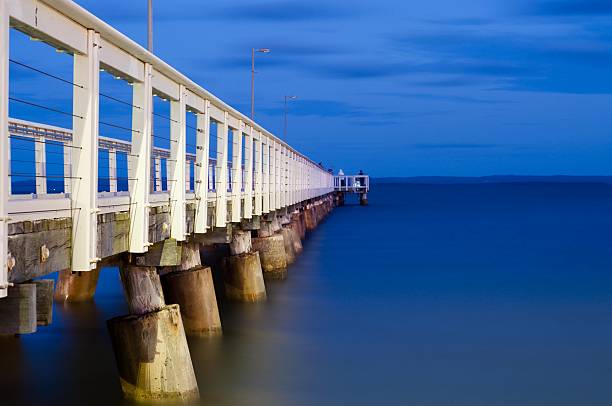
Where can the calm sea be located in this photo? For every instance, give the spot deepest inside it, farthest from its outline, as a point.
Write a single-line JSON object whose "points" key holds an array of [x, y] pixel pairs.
{"points": [[494, 294]]}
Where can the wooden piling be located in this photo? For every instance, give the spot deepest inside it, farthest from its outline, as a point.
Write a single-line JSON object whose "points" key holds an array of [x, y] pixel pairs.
{"points": [[76, 286]]}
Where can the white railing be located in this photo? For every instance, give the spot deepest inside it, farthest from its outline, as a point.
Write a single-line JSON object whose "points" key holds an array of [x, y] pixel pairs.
{"points": [[274, 175]]}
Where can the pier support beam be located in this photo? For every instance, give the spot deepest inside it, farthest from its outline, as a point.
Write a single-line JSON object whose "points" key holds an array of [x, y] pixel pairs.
{"points": [[272, 255], [150, 345], [76, 286], [243, 276]]}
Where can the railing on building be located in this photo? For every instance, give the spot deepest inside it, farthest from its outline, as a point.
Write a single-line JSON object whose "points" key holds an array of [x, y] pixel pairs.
{"points": [[352, 184], [270, 176]]}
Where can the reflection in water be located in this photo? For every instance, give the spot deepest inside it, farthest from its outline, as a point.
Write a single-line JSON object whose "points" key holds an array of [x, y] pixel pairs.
{"points": [[448, 295]]}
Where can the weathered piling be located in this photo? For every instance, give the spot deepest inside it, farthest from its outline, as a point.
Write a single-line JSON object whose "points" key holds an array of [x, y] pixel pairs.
{"points": [[76, 286], [272, 255], [194, 291], [153, 357], [310, 218], [243, 275], [296, 236], [44, 301], [190, 285], [150, 345], [18, 310], [288, 242]]}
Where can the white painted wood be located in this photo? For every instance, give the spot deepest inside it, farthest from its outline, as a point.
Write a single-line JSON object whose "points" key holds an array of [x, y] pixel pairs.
{"points": [[40, 157], [258, 175], [112, 170], [221, 172], [118, 62], [201, 169], [5, 181], [277, 175], [158, 174], [266, 176], [248, 173], [44, 22], [139, 162], [165, 87], [176, 166], [85, 156], [237, 173]]}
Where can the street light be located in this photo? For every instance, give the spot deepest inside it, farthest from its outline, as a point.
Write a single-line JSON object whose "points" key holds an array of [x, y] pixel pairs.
{"points": [[287, 98], [262, 51], [150, 27]]}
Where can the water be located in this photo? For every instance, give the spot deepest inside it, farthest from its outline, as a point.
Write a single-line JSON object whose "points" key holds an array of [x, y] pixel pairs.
{"points": [[445, 295]]}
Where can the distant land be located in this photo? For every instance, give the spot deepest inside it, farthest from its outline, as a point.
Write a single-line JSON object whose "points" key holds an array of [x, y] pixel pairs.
{"points": [[443, 180]]}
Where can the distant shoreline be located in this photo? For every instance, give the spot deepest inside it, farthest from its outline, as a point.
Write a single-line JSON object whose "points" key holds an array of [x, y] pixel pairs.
{"points": [[449, 180]]}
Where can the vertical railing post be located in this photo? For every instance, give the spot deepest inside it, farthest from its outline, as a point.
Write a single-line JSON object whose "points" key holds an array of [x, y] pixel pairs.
{"points": [[248, 173], [187, 184], [41, 165], [237, 173], [201, 169], [176, 165], [272, 175], [158, 173], [85, 155], [277, 175], [4, 145], [112, 170], [283, 176], [139, 167], [257, 144], [221, 172]]}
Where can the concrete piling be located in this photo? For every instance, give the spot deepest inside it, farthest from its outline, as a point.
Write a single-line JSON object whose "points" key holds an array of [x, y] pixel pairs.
{"points": [[287, 234], [193, 290], [18, 310], [243, 275], [150, 345], [190, 285], [272, 255]]}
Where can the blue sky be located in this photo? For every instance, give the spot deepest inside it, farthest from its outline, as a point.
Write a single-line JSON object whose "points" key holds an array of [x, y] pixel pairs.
{"points": [[398, 88]]}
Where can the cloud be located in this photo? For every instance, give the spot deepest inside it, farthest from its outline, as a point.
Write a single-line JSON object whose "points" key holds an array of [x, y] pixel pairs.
{"points": [[573, 8]]}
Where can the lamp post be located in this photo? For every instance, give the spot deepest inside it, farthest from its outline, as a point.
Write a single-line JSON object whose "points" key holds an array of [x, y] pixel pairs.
{"points": [[287, 98], [262, 51], [150, 27]]}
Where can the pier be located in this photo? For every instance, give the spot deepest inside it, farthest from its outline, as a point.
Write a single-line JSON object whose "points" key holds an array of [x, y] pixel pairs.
{"points": [[178, 221]]}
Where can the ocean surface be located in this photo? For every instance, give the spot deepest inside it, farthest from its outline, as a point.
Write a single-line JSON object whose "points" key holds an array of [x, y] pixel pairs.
{"points": [[483, 294]]}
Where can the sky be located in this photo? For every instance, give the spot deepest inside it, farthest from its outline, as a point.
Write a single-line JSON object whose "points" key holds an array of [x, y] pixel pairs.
{"points": [[393, 87]]}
